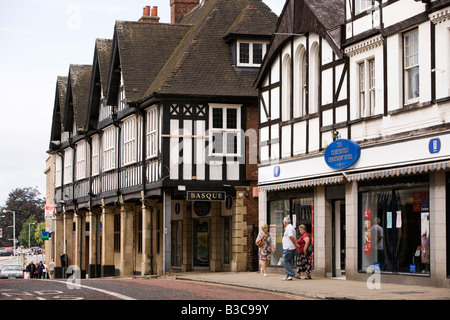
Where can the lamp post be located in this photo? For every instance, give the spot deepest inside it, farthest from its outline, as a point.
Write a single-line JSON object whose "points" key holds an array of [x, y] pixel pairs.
{"points": [[29, 243], [14, 228]]}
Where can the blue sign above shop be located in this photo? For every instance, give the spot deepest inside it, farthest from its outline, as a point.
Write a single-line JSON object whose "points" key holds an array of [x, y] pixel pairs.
{"points": [[342, 154], [434, 146]]}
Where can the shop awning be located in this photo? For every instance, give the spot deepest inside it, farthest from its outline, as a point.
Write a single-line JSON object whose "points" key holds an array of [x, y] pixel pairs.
{"points": [[399, 171], [348, 176], [303, 183]]}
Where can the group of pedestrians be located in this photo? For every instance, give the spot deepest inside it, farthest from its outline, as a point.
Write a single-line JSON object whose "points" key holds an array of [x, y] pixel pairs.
{"points": [[290, 245], [39, 270]]}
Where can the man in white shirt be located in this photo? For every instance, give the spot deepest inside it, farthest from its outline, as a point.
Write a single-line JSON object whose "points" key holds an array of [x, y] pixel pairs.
{"points": [[289, 247]]}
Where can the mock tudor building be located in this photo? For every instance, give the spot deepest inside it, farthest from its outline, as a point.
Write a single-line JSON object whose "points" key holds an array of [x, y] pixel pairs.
{"points": [[155, 144], [354, 136]]}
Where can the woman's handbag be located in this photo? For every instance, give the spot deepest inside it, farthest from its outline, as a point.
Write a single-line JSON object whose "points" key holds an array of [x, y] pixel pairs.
{"points": [[259, 243], [310, 249]]}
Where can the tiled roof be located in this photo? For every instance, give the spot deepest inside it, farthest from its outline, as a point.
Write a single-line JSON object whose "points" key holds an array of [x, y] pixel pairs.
{"points": [[79, 85], [203, 63], [143, 48], [104, 48]]}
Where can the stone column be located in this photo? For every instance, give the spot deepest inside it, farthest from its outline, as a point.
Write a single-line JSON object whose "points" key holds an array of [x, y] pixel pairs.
{"points": [[239, 232], [80, 240], [146, 232], [94, 244], [126, 239], [59, 239], [437, 211], [351, 231], [107, 268], [68, 238], [323, 241]]}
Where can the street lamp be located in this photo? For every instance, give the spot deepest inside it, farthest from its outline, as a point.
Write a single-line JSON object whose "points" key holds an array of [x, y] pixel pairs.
{"points": [[29, 245], [14, 228]]}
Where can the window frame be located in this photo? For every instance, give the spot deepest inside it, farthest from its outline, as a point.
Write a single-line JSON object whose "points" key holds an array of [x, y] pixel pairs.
{"points": [[251, 53], [152, 129], [407, 68], [366, 87], [109, 144], [224, 131]]}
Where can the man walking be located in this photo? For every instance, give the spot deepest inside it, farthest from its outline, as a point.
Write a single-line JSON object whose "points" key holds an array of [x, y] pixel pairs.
{"points": [[289, 247]]}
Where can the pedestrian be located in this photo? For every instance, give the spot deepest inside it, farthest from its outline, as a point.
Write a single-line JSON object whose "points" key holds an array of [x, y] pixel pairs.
{"points": [[40, 268], [289, 246], [36, 273], [44, 271], [304, 262], [32, 270], [27, 274], [264, 242], [51, 268]]}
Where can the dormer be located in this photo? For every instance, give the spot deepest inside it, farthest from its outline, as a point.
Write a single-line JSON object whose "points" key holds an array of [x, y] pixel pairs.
{"points": [[250, 34]]}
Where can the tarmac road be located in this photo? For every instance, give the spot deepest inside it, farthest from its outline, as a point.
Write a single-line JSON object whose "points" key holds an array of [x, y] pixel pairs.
{"points": [[130, 289]]}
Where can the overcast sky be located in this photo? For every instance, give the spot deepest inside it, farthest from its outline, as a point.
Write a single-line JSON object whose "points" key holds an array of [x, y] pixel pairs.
{"points": [[38, 42]]}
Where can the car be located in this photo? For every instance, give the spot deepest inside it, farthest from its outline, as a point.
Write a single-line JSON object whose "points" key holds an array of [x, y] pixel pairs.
{"points": [[11, 271], [6, 252]]}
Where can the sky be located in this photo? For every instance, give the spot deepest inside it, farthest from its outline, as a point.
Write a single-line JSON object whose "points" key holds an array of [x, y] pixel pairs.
{"points": [[38, 42]]}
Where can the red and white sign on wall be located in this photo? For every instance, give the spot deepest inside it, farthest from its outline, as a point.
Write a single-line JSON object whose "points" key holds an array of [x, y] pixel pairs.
{"points": [[49, 211]]}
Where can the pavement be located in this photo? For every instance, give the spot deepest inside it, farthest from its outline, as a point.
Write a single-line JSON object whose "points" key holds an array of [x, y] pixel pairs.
{"points": [[320, 288]]}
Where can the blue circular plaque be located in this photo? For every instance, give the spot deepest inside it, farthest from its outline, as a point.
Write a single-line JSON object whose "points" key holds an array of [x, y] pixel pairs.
{"points": [[342, 154]]}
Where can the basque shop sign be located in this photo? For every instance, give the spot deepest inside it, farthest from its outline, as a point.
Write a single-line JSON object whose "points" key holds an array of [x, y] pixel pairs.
{"points": [[342, 154]]}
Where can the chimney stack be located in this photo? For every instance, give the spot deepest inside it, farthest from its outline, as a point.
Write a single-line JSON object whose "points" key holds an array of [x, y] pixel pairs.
{"points": [[150, 15], [179, 8]]}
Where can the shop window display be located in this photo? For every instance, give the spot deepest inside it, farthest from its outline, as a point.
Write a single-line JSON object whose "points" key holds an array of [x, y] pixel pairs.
{"points": [[299, 209], [395, 229]]}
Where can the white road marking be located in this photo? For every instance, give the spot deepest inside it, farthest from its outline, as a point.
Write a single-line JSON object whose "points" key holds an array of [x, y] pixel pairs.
{"points": [[114, 294]]}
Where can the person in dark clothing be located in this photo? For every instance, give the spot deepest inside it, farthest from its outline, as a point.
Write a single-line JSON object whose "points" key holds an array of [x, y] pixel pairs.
{"points": [[40, 268], [32, 270]]}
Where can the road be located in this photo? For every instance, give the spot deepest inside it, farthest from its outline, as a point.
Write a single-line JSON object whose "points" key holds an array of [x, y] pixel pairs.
{"points": [[128, 289]]}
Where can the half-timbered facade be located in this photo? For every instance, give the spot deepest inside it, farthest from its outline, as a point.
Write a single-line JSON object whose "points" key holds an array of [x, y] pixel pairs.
{"points": [[159, 174], [354, 97]]}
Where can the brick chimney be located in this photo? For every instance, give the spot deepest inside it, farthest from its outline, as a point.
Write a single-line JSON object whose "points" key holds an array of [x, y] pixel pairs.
{"points": [[179, 8], [150, 15]]}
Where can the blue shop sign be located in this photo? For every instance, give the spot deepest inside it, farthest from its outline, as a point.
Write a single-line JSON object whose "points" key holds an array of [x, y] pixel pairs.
{"points": [[434, 146], [342, 154]]}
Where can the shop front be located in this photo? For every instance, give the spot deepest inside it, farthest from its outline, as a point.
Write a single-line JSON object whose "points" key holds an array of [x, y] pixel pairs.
{"points": [[212, 233], [386, 215]]}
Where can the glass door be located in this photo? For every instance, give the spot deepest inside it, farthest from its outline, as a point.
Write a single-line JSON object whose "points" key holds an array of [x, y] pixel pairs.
{"points": [[201, 243]]}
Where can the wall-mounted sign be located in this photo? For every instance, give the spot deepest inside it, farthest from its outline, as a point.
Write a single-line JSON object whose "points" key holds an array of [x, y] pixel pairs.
{"points": [[49, 211], [434, 145], [342, 154], [276, 171], [206, 195]]}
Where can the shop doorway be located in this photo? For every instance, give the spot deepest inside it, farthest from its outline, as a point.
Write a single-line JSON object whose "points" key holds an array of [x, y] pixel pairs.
{"points": [[338, 261], [201, 244]]}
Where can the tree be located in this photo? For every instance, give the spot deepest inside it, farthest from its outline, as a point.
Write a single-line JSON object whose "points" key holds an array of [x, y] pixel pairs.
{"points": [[38, 234], [28, 232], [24, 202]]}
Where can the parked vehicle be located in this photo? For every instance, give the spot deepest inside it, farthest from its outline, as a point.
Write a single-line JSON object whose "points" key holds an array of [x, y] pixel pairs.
{"points": [[6, 252], [11, 271]]}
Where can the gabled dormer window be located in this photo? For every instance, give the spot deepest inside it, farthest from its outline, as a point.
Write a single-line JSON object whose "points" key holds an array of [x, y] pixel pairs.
{"points": [[250, 53]]}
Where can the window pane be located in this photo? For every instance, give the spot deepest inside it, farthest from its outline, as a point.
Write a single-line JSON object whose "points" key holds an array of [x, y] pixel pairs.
{"points": [[257, 53], [231, 118], [413, 235], [232, 143], [278, 210], [377, 239], [413, 82], [218, 118], [217, 143], [244, 53]]}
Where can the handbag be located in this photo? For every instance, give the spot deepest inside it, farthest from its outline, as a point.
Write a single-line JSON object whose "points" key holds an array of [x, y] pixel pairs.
{"points": [[310, 249]]}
